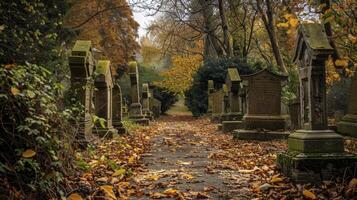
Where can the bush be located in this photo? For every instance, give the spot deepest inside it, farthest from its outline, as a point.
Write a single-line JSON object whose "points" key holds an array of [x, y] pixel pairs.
{"points": [[196, 96], [337, 96], [33, 142], [166, 97]]}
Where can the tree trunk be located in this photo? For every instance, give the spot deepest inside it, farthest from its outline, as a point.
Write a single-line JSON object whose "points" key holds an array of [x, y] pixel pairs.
{"points": [[226, 36]]}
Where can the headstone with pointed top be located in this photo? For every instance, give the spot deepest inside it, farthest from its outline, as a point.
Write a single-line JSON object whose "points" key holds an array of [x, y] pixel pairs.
{"points": [[135, 111], [82, 64], [314, 153]]}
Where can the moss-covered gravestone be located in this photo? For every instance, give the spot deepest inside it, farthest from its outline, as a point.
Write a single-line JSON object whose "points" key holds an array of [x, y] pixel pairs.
{"points": [[348, 124], [314, 153], [210, 90], [117, 109], [217, 105], [146, 95], [82, 64], [233, 118], [135, 111], [263, 119], [225, 106], [104, 99]]}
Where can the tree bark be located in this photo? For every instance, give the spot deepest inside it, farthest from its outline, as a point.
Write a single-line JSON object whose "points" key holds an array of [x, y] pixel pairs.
{"points": [[226, 37]]}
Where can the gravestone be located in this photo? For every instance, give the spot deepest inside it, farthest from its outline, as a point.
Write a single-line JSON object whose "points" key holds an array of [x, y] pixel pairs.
{"points": [[210, 90], [243, 97], [104, 98], [217, 105], [263, 119], [155, 104], [225, 107], [82, 64], [146, 95], [294, 111], [125, 108], [314, 153], [233, 119], [135, 111], [348, 124], [117, 109]]}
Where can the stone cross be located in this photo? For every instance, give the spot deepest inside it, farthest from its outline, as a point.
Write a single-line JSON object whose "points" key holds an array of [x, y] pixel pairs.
{"points": [[264, 101], [146, 95], [348, 124], [104, 97], [82, 64], [210, 90], [135, 111], [314, 153], [118, 109]]}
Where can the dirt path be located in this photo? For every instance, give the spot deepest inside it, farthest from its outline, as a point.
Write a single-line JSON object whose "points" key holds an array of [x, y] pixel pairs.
{"points": [[179, 164]]}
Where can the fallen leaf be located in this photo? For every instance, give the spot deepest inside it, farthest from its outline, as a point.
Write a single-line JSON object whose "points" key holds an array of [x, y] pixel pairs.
{"points": [[74, 196], [29, 153], [154, 177], [276, 180], [157, 195], [265, 186], [171, 192], [119, 172], [353, 183], [308, 194], [187, 176], [108, 190], [14, 91]]}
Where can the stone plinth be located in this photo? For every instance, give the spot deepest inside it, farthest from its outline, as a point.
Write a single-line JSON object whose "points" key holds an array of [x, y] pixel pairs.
{"points": [[348, 124], [314, 153]]}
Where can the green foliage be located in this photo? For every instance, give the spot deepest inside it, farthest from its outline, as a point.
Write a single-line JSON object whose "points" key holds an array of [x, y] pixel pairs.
{"points": [[337, 96], [166, 97], [196, 96], [33, 142]]}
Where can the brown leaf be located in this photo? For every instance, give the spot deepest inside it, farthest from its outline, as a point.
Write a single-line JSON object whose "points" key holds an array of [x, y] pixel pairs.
{"points": [[108, 190], [74, 196], [308, 194], [29, 153]]}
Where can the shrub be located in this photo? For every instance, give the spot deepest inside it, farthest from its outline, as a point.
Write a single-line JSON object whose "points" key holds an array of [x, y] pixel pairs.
{"points": [[33, 142], [166, 97], [337, 96], [196, 96]]}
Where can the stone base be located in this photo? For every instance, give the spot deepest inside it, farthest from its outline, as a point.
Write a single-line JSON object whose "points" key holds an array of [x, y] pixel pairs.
{"points": [[317, 167], [105, 132], [231, 117], [274, 122], [216, 118], [141, 121], [219, 127], [259, 135], [229, 126], [348, 125]]}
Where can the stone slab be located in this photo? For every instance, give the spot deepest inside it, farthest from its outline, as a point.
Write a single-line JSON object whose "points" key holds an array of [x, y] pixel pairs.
{"points": [[348, 125], [314, 168], [242, 134], [229, 126], [272, 123]]}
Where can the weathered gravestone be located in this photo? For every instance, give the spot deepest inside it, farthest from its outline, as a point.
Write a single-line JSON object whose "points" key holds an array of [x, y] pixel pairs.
{"points": [[82, 64], [210, 90], [263, 120], [217, 105], [294, 111], [146, 95], [117, 109], [233, 119], [314, 153], [225, 107], [104, 98], [155, 104], [135, 112], [243, 97], [348, 124]]}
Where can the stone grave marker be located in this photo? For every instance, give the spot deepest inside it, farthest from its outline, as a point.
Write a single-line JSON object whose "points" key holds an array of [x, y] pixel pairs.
{"points": [[233, 119], [210, 90], [217, 105], [225, 107], [117, 109], [314, 153], [263, 119], [294, 111], [82, 64], [348, 124], [135, 111], [104, 98], [155, 104], [146, 95]]}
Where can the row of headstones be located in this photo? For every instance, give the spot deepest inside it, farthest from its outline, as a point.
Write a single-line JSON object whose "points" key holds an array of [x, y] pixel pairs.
{"points": [[250, 108], [91, 78]]}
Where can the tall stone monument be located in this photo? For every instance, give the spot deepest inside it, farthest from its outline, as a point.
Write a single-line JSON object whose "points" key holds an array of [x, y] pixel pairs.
{"points": [[118, 109], [210, 90], [314, 152], [146, 95], [135, 111], [234, 116], [82, 64], [263, 119], [348, 124], [104, 98]]}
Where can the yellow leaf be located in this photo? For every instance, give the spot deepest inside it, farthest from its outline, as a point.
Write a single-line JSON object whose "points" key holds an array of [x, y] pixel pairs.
{"points": [[171, 192], [154, 177], [75, 196], [131, 160], [341, 63], [15, 91], [308, 194], [276, 180], [108, 190], [29, 153], [283, 25], [119, 172], [187, 176]]}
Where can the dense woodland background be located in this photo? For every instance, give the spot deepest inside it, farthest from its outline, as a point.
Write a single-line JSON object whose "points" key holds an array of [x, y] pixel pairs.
{"points": [[189, 42]]}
